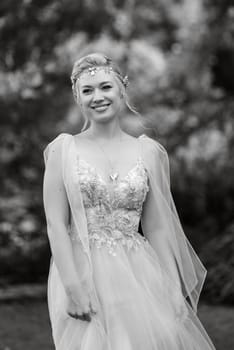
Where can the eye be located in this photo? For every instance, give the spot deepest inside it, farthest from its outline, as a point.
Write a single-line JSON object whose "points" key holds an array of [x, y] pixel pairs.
{"points": [[86, 91], [106, 87]]}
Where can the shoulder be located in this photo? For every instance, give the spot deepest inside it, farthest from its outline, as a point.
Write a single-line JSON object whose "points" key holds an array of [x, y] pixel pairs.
{"points": [[155, 156], [58, 139], [54, 147], [152, 146]]}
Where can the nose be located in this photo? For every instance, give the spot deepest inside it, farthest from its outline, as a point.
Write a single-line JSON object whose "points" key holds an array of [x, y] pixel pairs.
{"points": [[97, 96]]}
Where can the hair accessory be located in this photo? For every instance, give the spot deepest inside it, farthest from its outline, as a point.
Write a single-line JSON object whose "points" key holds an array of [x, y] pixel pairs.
{"points": [[125, 81], [93, 70]]}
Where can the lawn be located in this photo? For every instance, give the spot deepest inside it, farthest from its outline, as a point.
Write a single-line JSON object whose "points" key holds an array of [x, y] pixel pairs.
{"points": [[25, 326]]}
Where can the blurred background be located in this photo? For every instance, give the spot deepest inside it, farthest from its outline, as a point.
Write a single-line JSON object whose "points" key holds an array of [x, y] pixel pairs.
{"points": [[179, 56]]}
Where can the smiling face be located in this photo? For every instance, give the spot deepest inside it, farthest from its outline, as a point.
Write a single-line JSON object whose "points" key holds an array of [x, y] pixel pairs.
{"points": [[100, 95]]}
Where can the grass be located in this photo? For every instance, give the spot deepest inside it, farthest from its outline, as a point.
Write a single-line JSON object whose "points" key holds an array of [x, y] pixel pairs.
{"points": [[25, 325]]}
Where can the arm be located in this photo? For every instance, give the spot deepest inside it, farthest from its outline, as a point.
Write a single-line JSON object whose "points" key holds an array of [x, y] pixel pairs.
{"points": [[155, 230], [156, 219], [57, 216], [80, 302], [157, 226], [161, 224]]}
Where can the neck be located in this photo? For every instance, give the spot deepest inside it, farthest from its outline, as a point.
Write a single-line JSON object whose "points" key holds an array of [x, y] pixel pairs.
{"points": [[108, 131]]}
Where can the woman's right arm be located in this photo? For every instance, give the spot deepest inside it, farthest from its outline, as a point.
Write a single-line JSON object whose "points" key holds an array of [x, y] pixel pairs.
{"points": [[57, 216]]}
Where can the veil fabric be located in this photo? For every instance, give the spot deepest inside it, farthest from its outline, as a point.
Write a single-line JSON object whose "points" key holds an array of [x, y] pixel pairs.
{"points": [[161, 225], [160, 222], [78, 222]]}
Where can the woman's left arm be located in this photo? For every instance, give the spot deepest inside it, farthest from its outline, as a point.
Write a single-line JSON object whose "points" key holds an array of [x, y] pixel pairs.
{"points": [[161, 225], [156, 232]]}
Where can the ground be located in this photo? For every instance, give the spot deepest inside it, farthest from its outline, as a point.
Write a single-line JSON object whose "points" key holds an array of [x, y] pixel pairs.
{"points": [[25, 325]]}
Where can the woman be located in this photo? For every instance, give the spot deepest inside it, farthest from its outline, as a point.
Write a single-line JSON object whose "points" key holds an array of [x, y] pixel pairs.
{"points": [[109, 287]]}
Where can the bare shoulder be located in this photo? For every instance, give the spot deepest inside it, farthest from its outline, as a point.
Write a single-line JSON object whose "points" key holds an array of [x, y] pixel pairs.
{"points": [[81, 137], [131, 139]]}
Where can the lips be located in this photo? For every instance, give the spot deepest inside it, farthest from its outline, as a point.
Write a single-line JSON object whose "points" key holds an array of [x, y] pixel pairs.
{"points": [[101, 108]]}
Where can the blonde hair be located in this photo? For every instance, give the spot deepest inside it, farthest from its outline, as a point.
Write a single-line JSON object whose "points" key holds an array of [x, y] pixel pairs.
{"points": [[99, 60]]}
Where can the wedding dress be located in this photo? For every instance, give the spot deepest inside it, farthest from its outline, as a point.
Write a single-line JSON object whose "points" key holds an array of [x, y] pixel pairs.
{"points": [[146, 287]]}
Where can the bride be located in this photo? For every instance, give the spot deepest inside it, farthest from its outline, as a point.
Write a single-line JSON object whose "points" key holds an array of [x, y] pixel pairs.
{"points": [[110, 287]]}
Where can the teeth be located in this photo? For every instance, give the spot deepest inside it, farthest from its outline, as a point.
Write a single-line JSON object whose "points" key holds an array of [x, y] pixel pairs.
{"points": [[100, 108]]}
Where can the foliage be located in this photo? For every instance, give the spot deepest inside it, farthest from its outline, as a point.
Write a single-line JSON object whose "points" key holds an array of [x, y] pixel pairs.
{"points": [[219, 286], [178, 57]]}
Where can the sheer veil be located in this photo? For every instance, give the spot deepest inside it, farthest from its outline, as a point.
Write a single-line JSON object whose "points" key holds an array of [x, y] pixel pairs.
{"points": [[161, 225]]}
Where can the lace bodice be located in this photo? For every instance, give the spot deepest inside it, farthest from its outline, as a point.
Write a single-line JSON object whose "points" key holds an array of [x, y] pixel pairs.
{"points": [[113, 211]]}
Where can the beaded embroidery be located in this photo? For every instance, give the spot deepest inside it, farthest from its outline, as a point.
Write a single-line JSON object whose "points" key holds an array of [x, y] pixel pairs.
{"points": [[113, 217]]}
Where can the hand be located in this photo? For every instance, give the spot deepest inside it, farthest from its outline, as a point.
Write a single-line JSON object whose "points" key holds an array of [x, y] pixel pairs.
{"points": [[75, 311], [80, 303]]}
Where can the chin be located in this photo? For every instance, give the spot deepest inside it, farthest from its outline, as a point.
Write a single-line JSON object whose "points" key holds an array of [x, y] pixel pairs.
{"points": [[105, 118]]}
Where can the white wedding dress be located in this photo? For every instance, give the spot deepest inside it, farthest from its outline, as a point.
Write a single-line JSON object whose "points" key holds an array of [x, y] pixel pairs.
{"points": [[139, 306]]}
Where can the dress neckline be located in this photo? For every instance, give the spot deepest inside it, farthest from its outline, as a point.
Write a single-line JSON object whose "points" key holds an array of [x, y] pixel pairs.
{"points": [[138, 161], [120, 180]]}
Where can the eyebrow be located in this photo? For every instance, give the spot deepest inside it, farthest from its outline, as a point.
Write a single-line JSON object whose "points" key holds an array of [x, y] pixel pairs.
{"points": [[103, 82]]}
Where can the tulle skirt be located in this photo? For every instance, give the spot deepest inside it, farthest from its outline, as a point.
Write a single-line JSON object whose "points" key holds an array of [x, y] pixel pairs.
{"points": [[138, 308]]}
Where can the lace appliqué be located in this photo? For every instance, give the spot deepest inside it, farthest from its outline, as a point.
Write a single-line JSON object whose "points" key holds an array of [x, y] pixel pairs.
{"points": [[130, 241], [113, 216]]}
